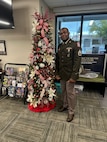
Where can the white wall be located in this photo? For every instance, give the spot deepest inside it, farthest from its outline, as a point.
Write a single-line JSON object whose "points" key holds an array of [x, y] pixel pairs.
{"points": [[18, 40]]}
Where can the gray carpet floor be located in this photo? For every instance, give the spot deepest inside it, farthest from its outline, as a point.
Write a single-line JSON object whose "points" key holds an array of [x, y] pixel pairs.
{"points": [[19, 124]]}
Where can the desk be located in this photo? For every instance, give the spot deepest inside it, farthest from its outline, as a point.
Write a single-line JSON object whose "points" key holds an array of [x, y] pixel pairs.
{"points": [[93, 83]]}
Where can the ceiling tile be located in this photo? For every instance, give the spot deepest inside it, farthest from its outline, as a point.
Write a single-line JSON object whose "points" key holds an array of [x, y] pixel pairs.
{"points": [[65, 3]]}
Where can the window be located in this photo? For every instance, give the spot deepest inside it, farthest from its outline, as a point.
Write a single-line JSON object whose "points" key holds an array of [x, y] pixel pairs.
{"points": [[73, 24], [90, 30], [96, 41]]}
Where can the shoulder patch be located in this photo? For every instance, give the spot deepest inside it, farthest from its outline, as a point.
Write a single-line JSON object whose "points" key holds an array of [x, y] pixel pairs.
{"points": [[79, 53]]}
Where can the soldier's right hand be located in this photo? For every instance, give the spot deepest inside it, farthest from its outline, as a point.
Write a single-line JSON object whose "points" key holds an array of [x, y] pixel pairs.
{"points": [[57, 77]]}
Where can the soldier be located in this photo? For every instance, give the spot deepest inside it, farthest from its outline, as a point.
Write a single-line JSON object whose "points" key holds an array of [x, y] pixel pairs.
{"points": [[68, 61]]}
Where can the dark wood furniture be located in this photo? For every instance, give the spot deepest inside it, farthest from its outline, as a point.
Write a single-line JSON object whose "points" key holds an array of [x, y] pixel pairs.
{"points": [[93, 83]]}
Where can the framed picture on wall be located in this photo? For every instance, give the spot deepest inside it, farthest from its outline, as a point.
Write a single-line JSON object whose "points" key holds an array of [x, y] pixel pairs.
{"points": [[3, 47]]}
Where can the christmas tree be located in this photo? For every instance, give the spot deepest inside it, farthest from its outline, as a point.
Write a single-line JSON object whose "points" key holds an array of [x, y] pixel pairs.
{"points": [[41, 88]]}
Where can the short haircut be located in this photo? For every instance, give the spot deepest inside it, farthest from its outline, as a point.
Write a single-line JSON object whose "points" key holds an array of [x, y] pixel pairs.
{"points": [[64, 28]]}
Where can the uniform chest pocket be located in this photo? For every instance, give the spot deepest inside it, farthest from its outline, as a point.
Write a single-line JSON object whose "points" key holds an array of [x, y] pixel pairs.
{"points": [[69, 51]]}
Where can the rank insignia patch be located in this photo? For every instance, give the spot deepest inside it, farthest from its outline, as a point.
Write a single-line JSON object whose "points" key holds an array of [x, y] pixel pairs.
{"points": [[79, 53]]}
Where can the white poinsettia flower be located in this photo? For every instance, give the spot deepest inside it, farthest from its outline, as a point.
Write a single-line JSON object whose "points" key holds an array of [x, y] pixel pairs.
{"points": [[39, 101], [52, 91], [30, 98], [49, 59], [50, 98], [32, 74], [33, 27], [33, 30], [40, 43], [35, 104], [42, 65], [53, 64], [51, 94]]}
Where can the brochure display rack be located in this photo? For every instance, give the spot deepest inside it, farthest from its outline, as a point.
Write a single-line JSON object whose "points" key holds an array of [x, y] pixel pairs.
{"points": [[14, 83]]}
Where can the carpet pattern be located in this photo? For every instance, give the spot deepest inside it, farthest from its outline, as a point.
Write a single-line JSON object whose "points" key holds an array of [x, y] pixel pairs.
{"points": [[19, 124]]}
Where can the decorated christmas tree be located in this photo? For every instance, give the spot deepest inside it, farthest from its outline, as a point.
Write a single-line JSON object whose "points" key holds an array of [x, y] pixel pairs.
{"points": [[41, 88]]}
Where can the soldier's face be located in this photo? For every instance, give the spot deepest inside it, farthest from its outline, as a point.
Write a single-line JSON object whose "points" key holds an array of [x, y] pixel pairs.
{"points": [[64, 34]]}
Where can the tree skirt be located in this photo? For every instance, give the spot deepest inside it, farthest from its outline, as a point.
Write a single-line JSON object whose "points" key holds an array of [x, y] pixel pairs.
{"points": [[40, 108]]}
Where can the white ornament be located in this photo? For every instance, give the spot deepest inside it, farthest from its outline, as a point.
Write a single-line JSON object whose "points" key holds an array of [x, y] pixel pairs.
{"points": [[42, 65], [37, 67]]}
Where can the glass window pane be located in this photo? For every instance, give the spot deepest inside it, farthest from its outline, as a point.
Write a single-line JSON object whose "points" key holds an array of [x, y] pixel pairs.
{"points": [[95, 32], [73, 23]]}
